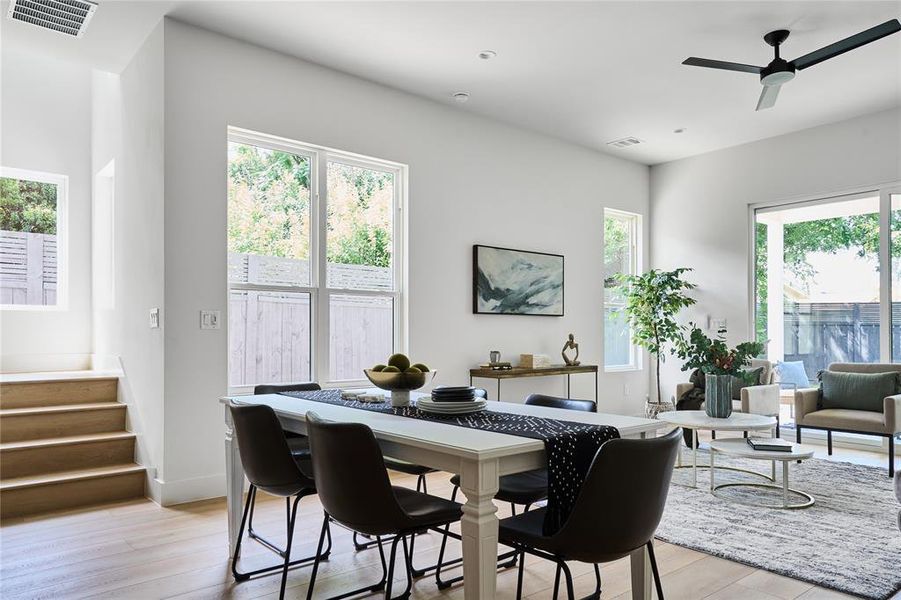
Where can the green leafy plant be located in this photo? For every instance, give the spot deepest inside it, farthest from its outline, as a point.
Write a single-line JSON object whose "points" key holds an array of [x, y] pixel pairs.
{"points": [[652, 302], [714, 356]]}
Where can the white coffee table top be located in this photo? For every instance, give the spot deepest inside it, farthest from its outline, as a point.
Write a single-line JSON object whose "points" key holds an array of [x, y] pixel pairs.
{"points": [[739, 447], [698, 419]]}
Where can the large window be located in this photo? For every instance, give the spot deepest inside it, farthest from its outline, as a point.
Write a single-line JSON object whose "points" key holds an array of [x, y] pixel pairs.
{"points": [[622, 232], [314, 251], [32, 239], [826, 272]]}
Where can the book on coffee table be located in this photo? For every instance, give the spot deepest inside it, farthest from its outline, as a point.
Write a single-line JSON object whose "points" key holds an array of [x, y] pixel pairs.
{"points": [[769, 444]]}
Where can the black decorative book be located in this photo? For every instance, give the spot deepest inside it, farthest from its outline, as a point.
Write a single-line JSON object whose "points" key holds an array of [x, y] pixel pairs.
{"points": [[769, 445]]}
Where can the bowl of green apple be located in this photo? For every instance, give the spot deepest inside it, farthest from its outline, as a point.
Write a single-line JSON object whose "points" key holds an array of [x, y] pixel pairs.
{"points": [[400, 376]]}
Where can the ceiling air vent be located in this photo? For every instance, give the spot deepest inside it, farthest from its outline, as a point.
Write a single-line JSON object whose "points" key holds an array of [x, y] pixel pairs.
{"points": [[70, 17], [624, 142]]}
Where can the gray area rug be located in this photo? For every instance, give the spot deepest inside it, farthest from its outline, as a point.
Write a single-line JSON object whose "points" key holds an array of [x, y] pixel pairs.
{"points": [[848, 541]]}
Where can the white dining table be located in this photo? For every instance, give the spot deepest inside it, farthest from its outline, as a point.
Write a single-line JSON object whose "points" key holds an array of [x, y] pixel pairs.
{"points": [[479, 457]]}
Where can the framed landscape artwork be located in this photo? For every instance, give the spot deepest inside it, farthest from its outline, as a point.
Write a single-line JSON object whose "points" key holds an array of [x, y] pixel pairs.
{"points": [[516, 282]]}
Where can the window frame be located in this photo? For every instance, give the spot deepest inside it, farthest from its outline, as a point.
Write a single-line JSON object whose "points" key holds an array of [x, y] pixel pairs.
{"points": [[884, 192], [318, 290], [635, 259], [62, 237]]}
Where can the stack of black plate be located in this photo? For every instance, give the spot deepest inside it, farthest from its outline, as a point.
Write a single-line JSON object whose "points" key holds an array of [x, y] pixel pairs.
{"points": [[453, 394]]}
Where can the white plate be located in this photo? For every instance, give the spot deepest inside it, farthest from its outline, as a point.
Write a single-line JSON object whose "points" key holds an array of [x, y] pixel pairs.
{"points": [[450, 408]]}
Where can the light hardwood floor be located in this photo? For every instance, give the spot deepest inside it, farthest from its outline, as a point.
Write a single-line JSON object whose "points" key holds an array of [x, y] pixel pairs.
{"points": [[136, 550]]}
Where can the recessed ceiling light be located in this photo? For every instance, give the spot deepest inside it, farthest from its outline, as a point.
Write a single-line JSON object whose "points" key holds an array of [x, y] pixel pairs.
{"points": [[680, 130], [487, 54], [461, 97]]}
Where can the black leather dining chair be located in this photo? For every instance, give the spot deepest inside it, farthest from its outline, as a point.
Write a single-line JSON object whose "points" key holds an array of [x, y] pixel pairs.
{"points": [[420, 472], [355, 491], [298, 443], [271, 467], [524, 488], [617, 511]]}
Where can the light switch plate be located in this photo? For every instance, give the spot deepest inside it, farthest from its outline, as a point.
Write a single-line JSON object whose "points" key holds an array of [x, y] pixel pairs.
{"points": [[717, 324], [209, 319], [154, 318]]}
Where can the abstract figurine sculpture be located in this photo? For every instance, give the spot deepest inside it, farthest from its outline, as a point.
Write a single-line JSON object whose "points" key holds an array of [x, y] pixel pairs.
{"points": [[571, 344]]}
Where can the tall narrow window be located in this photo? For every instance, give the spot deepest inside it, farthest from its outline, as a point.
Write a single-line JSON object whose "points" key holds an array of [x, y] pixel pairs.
{"points": [[314, 253], [32, 236], [622, 232], [103, 238]]}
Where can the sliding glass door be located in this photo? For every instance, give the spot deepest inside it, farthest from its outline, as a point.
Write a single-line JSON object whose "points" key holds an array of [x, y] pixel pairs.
{"points": [[825, 272]]}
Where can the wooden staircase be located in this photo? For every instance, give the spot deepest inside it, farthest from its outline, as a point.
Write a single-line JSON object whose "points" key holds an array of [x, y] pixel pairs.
{"points": [[63, 444]]}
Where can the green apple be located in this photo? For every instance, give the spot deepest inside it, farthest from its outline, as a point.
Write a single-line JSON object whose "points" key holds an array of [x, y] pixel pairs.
{"points": [[391, 369], [422, 367], [378, 368]]}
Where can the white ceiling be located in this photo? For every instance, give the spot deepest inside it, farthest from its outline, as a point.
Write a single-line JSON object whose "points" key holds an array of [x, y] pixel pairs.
{"points": [[587, 72]]}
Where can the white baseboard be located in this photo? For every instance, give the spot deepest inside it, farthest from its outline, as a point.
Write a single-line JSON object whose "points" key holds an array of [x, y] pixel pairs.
{"points": [[169, 493]]}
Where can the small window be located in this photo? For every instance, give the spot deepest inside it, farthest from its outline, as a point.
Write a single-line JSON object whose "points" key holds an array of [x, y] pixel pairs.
{"points": [[622, 233], [32, 236]]}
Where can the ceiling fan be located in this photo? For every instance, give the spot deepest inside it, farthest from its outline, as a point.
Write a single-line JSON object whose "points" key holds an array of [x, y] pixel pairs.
{"points": [[782, 71]]}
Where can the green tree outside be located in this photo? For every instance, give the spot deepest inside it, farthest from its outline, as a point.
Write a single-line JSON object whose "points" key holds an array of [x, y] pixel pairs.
{"points": [[27, 206], [859, 233], [269, 205]]}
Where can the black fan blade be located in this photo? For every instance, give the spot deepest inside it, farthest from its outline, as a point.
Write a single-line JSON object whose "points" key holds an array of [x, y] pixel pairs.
{"points": [[849, 43], [768, 96], [720, 64]]}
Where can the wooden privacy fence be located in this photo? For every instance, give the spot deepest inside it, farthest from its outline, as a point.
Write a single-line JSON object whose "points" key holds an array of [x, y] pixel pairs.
{"points": [[273, 270], [28, 268], [820, 333], [269, 331]]}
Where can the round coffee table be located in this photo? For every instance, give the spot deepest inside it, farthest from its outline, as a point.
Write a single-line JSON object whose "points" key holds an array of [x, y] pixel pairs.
{"points": [[740, 449], [696, 420]]}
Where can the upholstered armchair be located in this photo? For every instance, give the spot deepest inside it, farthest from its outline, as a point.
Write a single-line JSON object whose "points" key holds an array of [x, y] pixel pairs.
{"points": [[887, 423]]}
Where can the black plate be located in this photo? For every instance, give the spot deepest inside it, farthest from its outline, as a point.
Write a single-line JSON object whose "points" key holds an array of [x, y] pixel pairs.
{"points": [[446, 398], [447, 389]]}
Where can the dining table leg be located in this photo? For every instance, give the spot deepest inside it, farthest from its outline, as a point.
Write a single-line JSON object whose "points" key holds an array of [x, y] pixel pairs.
{"points": [[641, 574], [479, 482], [234, 478]]}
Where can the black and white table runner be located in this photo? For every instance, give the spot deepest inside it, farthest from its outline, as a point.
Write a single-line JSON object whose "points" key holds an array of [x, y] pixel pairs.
{"points": [[570, 446]]}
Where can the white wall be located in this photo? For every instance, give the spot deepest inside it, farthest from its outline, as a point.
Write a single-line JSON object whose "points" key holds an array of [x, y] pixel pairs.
{"points": [[45, 108], [128, 129], [472, 180], [700, 205]]}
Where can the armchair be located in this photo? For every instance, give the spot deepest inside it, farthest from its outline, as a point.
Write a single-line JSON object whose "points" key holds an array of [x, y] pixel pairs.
{"points": [[851, 419]]}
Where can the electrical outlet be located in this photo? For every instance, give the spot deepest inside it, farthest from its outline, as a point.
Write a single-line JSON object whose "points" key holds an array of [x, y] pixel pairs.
{"points": [[154, 318], [209, 319]]}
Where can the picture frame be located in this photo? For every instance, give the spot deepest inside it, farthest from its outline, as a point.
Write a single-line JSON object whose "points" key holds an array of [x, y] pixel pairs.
{"points": [[507, 281]]}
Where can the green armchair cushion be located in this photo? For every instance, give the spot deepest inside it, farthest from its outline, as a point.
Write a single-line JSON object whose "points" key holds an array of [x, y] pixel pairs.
{"points": [[856, 391], [750, 377]]}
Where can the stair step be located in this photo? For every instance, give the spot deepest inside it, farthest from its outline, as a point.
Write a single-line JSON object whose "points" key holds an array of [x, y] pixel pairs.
{"points": [[39, 456], [25, 390], [18, 424], [68, 489]]}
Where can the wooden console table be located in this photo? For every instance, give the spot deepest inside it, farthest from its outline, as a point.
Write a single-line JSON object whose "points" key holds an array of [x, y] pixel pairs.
{"points": [[517, 372]]}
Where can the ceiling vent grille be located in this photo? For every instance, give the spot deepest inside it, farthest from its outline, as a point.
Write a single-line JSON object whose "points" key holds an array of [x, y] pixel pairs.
{"points": [[624, 142], [70, 17]]}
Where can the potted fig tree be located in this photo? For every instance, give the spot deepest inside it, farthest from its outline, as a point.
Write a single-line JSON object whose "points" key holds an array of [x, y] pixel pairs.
{"points": [[652, 302]]}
